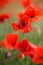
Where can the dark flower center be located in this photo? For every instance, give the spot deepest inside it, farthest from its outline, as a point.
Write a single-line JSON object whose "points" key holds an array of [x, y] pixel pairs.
{"points": [[31, 16], [13, 44], [23, 23], [24, 48], [1, 19]]}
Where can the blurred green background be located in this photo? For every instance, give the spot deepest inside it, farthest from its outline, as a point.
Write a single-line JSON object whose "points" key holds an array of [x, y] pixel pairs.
{"points": [[35, 36]]}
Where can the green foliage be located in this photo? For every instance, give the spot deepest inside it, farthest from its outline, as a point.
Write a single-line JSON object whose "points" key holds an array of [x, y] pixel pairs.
{"points": [[33, 37]]}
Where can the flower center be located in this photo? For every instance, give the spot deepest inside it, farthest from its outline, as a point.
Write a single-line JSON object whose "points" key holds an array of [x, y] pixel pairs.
{"points": [[13, 44], [31, 16], [24, 48], [23, 23], [1, 19]]}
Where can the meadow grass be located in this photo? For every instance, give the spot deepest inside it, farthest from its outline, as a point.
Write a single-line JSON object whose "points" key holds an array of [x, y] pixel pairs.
{"points": [[33, 37]]}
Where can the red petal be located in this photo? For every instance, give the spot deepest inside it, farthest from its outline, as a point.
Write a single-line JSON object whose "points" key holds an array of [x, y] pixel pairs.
{"points": [[15, 26], [12, 38]]}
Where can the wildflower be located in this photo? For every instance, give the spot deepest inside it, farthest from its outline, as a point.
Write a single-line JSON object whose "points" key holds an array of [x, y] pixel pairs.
{"points": [[25, 3], [8, 55], [38, 55], [12, 40], [3, 43], [3, 17], [24, 24], [33, 13], [3, 3], [20, 55], [25, 47]]}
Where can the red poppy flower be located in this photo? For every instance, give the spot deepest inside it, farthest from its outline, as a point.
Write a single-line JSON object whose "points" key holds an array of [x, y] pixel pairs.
{"points": [[12, 40], [33, 13], [3, 3], [24, 24], [25, 3], [3, 43], [20, 55], [38, 55], [3, 17], [25, 47]]}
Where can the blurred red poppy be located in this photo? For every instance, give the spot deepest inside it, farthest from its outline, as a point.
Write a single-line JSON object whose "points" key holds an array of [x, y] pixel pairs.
{"points": [[33, 13], [25, 3], [12, 40], [25, 47], [38, 55], [3, 43], [20, 55], [3, 17], [24, 24], [3, 3]]}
